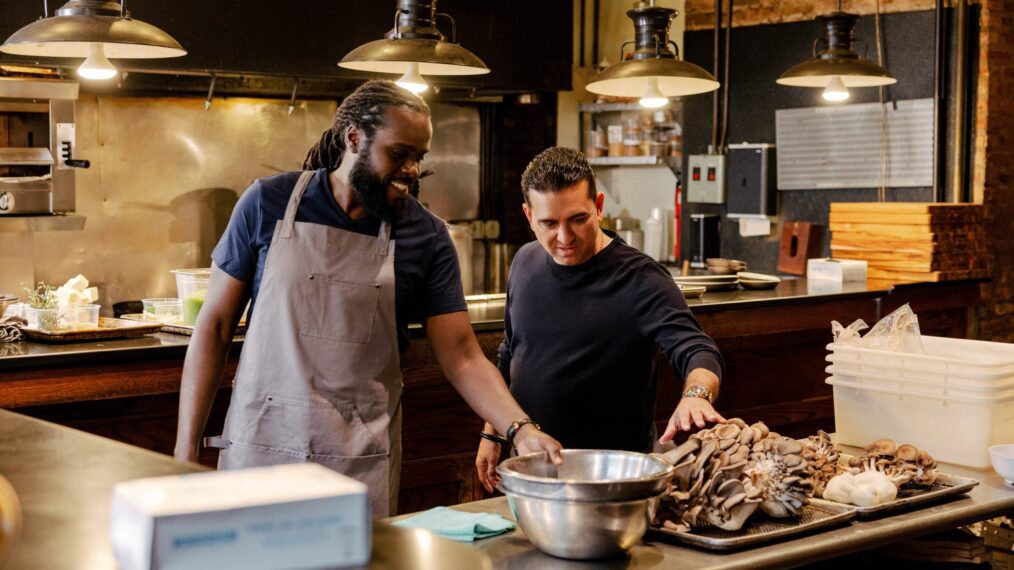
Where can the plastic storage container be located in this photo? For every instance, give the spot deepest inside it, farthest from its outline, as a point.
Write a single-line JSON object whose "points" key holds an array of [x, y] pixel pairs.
{"points": [[191, 287], [956, 400], [166, 310], [66, 318]]}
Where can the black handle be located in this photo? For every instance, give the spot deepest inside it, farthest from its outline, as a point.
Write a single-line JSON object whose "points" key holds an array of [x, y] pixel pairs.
{"points": [[77, 163]]}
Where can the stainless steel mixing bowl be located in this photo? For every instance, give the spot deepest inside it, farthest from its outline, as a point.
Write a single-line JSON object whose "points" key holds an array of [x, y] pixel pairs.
{"points": [[581, 530], [586, 475]]}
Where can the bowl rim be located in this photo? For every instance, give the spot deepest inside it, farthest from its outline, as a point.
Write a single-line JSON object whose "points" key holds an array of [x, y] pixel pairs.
{"points": [[667, 472], [995, 450], [506, 490]]}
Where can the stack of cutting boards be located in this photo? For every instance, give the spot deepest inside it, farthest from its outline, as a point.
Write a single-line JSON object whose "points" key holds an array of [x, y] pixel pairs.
{"points": [[911, 241]]}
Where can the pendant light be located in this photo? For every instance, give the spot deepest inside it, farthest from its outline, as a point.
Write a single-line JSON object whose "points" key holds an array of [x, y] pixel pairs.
{"points": [[835, 65], [414, 48], [652, 71], [96, 30]]}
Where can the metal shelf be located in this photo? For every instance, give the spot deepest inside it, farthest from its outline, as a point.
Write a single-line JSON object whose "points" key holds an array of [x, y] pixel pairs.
{"points": [[613, 107], [25, 156]]}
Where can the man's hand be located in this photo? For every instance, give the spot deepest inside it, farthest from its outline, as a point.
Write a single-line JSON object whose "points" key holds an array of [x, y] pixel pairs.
{"points": [[532, 440], [690, 410], [485, 464]]}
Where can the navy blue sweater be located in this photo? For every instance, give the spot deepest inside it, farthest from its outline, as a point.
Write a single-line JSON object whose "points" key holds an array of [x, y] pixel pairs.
{"points": [[580, 343]]}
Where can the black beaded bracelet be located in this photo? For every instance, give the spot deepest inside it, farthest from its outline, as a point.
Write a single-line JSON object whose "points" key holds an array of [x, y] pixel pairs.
{"points": [[499, 439]]}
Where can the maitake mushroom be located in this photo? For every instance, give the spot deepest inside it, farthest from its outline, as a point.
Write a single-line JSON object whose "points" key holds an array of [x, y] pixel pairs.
{"points": [[903, 463], [821, 461], [723, 474]]}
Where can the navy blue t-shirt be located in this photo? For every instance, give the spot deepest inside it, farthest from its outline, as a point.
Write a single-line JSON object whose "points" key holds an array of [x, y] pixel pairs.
{"points": [[580, 343], [426, 275]]}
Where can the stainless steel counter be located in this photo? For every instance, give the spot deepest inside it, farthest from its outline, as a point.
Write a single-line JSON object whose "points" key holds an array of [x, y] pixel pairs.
{"points": [[990, 498], [64, 479]]}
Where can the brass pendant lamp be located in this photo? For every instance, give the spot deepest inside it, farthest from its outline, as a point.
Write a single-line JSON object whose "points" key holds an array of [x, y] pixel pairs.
{"points": [[652, 72], [95, 30], [835, 65], [415, 47]]}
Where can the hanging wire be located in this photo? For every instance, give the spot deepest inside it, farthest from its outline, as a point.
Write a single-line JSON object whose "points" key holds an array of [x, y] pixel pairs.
{"points": [[292, 99], [884, 139], [45, 8], [211, 93]]}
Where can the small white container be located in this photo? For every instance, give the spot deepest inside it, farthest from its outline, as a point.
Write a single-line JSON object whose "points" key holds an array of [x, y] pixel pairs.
{"points": [[1002, 457], [838, 270]]}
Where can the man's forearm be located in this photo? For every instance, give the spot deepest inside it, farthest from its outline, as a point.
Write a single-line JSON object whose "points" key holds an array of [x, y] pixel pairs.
{"points": [[480, 383], [202, 375]]}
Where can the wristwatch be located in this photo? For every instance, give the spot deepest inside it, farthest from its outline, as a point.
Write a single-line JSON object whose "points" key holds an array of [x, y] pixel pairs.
{"points": [[699, 391], [517, 425]]}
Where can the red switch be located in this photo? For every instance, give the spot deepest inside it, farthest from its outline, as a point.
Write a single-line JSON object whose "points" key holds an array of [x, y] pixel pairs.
{"points": [[711, 174], [696, 175]]}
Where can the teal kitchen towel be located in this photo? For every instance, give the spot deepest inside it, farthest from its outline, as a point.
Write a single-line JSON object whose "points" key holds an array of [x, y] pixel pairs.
{"points": [[458, 525]]}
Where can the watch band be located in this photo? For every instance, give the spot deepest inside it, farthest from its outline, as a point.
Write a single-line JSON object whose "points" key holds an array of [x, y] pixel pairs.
{"points": [[699, 391], [517, 425]]}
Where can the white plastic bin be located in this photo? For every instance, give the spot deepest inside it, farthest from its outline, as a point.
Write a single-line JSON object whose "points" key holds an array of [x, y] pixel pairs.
{"points": [[952, 428], [958, 357], [922, 383]]}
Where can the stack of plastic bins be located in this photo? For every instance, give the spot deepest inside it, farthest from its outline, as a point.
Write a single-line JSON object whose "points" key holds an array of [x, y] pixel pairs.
{"points": [[954, 400]]}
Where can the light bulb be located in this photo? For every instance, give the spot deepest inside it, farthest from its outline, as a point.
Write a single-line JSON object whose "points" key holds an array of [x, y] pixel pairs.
{"points": [[836, 90], [653, 97], [96, 66], [412, 80]]}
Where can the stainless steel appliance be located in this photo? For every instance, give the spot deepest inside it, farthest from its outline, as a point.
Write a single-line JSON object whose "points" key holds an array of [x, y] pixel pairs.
{"points": [[705, 238], [37, 142]]}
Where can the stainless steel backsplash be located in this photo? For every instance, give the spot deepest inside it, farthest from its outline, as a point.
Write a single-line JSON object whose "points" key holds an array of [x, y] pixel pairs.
{"points": [[166, 174]]}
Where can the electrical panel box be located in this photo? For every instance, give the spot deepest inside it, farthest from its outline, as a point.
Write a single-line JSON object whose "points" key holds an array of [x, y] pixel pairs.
{"points": [[706, 178], [752, 180]]}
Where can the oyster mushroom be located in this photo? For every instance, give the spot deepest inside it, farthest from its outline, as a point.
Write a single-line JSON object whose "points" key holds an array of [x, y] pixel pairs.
{"points": [[821, 461], [883, 446]]}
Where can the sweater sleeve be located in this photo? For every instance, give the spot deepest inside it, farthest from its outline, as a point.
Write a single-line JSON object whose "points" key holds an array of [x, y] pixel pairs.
{"points": [[503, 361], [665, 317]]}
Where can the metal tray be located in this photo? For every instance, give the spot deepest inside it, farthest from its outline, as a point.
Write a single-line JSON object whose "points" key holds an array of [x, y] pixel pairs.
{"points": [[910, 495], [186, 330], [760, 529], [107, 329]]}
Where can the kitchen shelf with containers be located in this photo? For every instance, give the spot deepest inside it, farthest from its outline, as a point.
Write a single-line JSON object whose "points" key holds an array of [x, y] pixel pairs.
{"points": [[627, 134]]}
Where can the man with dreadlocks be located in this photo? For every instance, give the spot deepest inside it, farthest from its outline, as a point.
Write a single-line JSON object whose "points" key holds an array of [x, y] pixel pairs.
{"points": [[336, 261]]}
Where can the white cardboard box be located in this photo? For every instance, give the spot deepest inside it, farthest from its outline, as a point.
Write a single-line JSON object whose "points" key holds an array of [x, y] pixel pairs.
{"points": [[840, 270], [286, 516]]}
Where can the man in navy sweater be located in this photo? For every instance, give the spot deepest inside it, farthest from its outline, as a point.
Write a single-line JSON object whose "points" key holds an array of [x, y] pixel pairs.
{"points": [[585, 315]]}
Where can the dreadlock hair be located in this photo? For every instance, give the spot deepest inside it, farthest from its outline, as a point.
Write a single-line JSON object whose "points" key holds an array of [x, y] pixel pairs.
{"points": [[366, 109], [557, 168]]}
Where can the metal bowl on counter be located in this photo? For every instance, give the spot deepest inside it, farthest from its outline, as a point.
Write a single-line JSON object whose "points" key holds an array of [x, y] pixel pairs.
{"points": [[586, 475], [582, 530], [597, 503]]}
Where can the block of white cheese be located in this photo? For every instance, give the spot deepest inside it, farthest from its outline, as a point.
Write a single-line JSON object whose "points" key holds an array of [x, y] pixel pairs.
{"points": [[78, 283], [285, 516]]}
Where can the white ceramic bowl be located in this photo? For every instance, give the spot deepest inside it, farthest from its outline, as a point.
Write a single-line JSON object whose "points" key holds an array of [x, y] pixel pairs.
{"points": [[1002, 457]]}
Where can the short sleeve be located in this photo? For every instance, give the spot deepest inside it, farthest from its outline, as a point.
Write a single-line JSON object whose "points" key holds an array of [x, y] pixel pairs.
{"points": [[443, 280], [236, 252]]}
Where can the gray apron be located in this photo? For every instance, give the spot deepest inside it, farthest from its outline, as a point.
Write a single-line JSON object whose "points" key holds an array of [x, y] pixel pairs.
{"points": [[319, 378]]}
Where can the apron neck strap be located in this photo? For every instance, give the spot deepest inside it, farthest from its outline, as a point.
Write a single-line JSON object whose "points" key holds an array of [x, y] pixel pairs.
{"points": [[297, 195]]}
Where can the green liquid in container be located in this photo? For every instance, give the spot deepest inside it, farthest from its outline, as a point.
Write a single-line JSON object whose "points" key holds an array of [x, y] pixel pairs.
{"points": [[191, 306]]}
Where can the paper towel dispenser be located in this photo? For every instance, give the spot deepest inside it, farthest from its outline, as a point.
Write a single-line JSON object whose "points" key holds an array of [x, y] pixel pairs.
{"points": [[750, 180]]}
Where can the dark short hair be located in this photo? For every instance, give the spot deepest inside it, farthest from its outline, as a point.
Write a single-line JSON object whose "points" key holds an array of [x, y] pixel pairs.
{"points": [[557, 168], [366, 109]]}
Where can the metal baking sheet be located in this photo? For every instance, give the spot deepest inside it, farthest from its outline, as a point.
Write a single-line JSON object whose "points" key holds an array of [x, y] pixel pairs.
{"points": [[761, 529], [910, 495]]}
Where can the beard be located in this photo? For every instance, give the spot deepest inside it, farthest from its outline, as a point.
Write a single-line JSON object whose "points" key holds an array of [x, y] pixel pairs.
{"points": [[371, 190]]}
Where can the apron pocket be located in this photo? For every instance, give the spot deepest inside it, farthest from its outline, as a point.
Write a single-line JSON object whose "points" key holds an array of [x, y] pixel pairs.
{"points": [[338, 310], [315, 427]]}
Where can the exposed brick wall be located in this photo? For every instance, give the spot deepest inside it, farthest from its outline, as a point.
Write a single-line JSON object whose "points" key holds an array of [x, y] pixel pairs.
{"points": [[993, 165]]}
